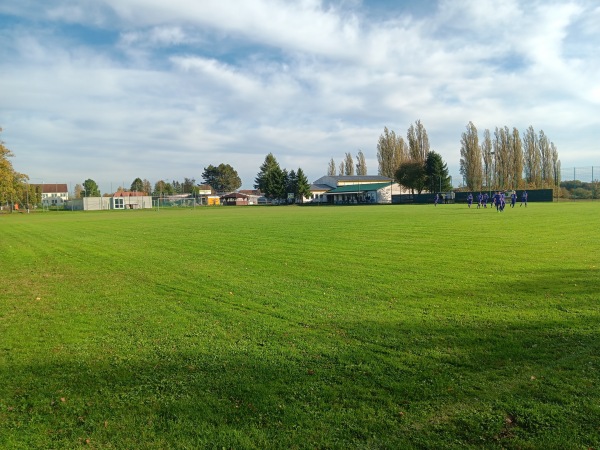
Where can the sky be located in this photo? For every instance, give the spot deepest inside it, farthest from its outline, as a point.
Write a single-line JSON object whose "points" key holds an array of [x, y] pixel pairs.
{"points": [[113, 90]]}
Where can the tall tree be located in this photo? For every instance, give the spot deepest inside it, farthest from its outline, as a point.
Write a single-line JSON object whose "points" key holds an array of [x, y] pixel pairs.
{"points": [[348, 165], [517, 159], [531, 158], [361, 164], [302, 186], [342, 165], [503, 154], [436, 172], [470, 158], [391, 152], [91, 188], [411, 174], [331, 168], [418, 142], [486, 152], [545, 160], [270, 179], [137, 185], [555, 165]]}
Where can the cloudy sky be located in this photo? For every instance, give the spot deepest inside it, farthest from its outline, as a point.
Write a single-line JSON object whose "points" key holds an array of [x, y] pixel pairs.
{"points": [[118, 89]]}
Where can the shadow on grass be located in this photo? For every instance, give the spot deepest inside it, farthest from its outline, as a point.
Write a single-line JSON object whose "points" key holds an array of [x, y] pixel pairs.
{"points": [[509, 380]]}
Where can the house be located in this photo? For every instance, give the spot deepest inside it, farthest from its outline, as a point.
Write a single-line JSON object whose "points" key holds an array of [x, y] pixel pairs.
{"points": [[234, 199], [53, 194], [353, 189]]}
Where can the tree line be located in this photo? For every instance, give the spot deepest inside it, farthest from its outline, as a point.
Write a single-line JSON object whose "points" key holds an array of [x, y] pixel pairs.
{"points": [[278, 184], [508, 161], [411, 162]]}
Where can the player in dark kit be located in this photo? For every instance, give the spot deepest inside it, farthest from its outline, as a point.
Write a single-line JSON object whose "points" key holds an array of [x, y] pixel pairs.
{"points": [[497, 201], [513, 199], [485, 199], [479, 200], [524, 198], [470, 199]]}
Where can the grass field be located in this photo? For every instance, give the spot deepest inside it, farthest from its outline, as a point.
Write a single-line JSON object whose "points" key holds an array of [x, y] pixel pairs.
{"points": [[290, 327]]}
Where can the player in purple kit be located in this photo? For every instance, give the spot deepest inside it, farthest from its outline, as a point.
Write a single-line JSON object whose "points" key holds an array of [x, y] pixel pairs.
{"points": [[524, 199], [497, 200], [485, 200], [470, 199], [479, 200], [513, 199]]}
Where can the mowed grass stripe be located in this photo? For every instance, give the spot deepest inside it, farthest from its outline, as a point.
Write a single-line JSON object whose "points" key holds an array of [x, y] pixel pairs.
{"points": [[378, 327]]}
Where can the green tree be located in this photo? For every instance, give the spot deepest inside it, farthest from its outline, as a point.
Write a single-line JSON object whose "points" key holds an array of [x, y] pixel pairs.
{"points": [[137, 185], [412, 175], [291, 182], [270, 179], [302, 186], [222, 178], [91, 188], [361, 164], [161, 187], [189, 185], [436, 171], [470, 158]]}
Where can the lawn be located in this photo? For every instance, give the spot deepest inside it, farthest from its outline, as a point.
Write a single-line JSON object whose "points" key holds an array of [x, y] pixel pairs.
{"points": [[301, 327]]}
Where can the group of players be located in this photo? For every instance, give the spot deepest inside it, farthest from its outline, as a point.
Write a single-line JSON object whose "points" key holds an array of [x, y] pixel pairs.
{"points": [[498, 200]]}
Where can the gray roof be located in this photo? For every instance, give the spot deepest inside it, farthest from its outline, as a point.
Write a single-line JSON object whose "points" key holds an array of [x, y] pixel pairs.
{"points": [[334, 180], [320, 187]]}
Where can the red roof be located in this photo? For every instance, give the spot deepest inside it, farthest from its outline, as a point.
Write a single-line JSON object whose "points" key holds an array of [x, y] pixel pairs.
{"points": [[52, 188]]}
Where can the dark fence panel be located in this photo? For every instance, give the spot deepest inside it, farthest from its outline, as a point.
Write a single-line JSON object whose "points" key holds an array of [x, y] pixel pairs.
{"points": [[533, 195]]}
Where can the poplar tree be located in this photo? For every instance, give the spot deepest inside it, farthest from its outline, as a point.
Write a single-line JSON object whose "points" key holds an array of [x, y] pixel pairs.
{"points": [[12, 183], [361, 164], [418, 142], [555, 165], [545, 160], [517, 159], [348, 165], [391, 152], [331, 168], [531, 158], [470, 158], [486, 152]]}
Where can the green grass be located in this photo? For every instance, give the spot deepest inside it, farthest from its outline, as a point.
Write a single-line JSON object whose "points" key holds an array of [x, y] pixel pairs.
{"points": [[290, 327]]}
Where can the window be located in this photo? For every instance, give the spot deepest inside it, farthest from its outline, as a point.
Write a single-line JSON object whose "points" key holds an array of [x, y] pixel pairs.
{"points": [[119, 203]]}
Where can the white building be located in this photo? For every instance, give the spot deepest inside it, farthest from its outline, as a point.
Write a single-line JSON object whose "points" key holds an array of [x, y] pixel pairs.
{"points": [[354, 189], [53, 194]]}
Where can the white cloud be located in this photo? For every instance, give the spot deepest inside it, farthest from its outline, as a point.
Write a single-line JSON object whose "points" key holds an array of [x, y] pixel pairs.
{"points": [[192, 83]]}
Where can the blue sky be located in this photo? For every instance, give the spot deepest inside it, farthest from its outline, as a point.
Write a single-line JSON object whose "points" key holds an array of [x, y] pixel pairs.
{"points": [[118, 89]]}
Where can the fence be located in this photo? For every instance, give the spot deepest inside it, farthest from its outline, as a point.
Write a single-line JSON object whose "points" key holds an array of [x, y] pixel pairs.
{"points": [[585, 174]]}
